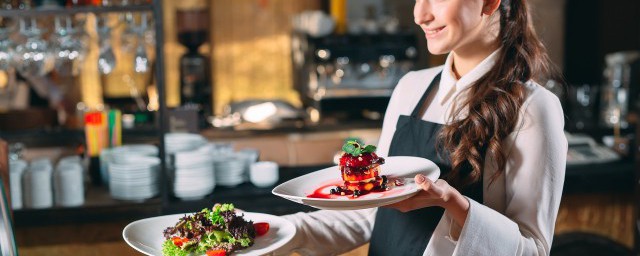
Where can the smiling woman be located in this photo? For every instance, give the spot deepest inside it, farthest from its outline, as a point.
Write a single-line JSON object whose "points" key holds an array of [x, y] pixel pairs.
{"points": [[495, 133]]}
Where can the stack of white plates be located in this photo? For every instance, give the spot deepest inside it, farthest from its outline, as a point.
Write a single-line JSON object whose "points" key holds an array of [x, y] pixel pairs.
{"points": [[179, 142], [194, 177], [68, 186], [134, 178], [229, 170], [107, 154], [37, 184], [16, 169], [250, 156]]}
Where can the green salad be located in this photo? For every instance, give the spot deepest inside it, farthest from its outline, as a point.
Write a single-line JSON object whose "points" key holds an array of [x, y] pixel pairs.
{"points": [[215, 232]]}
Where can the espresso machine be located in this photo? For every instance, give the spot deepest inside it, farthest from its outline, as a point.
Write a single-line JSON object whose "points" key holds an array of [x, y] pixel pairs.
{"points": [[619, 92], [350, 76], [195, 81]]}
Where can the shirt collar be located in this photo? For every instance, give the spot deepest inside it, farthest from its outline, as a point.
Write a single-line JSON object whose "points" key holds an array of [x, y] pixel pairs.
{"points": [[448, 79]]}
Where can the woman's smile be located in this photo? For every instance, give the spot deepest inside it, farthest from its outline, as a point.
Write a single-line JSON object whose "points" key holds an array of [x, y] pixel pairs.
{"points": [[433, 32]]}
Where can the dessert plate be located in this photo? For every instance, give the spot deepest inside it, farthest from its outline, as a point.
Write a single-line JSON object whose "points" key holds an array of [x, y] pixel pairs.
{"points": [[403, 168], [146, 235]]}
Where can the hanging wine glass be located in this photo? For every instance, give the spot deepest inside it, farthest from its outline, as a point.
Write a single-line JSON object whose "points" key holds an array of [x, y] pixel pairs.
{"points": [[128, 37], [106, 58], [6, 49], [141, 60], [33, 57], [69, 46]]}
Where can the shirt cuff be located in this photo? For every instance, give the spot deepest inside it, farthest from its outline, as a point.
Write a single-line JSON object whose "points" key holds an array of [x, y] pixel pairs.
{"points": [[483, 227]]}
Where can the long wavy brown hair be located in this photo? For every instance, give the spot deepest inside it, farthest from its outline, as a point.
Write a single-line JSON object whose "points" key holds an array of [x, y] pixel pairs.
{"points": [[493, 101]]}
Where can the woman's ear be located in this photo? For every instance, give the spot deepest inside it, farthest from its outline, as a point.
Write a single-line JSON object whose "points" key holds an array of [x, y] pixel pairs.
{"points": [[490, 6]]}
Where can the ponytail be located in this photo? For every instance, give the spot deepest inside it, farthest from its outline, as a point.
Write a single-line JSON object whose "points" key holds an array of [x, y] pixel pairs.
{"points": [[494, 101]]}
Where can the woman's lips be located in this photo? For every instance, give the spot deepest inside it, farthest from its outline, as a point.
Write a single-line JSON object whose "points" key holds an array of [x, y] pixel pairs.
{"points": [[433, 32]]}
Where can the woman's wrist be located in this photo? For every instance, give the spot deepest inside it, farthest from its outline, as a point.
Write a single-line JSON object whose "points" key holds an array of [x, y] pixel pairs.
{"points": [[458, 206]]}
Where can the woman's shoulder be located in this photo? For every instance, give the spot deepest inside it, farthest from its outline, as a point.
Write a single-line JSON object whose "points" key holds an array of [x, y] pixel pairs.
{"points": [[419, 78], [542, 102]]}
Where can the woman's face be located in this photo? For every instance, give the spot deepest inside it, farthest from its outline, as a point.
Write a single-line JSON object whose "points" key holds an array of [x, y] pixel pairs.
{"points": [[450, 25]]}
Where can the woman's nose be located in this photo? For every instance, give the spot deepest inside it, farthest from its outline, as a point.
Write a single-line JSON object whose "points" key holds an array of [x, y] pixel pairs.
{"points": [[422, 12]]}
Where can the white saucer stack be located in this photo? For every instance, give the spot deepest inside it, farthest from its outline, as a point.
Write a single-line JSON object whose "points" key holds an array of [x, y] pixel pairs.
{"points": [[16, 170], [134, 178], [229, 170], [178, 142], [194, 174], [37, 189], [107, 154], [68, 186], [250, 156]]}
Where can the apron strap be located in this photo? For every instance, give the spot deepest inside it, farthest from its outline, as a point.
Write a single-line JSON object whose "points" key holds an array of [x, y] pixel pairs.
{"points": [[418, 112]]}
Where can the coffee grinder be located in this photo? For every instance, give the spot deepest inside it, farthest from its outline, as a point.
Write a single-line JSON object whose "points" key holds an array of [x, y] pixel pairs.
{"points": [[195, 82]]}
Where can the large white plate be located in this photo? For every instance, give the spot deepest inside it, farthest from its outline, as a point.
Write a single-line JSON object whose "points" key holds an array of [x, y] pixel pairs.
{"points": [[146, 235], [402, 167]]}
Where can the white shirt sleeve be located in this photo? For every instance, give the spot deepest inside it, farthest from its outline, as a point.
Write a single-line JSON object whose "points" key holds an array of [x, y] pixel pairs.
{"points": [[329, 232], [533, 178], [392, 114]]}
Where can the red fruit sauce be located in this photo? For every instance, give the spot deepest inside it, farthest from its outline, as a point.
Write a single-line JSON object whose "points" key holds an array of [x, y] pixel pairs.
{"points": [[321, 192]]}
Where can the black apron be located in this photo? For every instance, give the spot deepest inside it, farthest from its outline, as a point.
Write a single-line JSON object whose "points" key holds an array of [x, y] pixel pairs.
{"points": [[397, 233]]}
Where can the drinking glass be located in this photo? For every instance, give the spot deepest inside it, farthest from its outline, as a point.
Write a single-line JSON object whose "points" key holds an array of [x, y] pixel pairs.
{"points": [[6, 49], [33, 57], [106, 59], [69, 46]]}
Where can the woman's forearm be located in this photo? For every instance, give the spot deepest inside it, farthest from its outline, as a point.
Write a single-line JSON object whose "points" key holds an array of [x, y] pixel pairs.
{"points": [[458, 207]]}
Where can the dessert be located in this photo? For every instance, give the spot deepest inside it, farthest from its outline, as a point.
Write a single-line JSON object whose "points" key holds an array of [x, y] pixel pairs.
{"points": [[216, 231], [360, 169]]}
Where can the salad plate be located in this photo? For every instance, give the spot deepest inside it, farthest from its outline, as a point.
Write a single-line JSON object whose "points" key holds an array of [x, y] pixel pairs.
{"points": [[146, 235], [402, 168]]}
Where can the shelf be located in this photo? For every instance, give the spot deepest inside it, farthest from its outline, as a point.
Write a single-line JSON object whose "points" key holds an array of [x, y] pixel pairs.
{"points": [[74, 137], [75, 10], [98, 207]]}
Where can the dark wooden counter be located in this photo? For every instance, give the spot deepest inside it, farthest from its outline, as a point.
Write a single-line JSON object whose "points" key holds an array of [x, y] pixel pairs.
{"points": [[615, 177]]}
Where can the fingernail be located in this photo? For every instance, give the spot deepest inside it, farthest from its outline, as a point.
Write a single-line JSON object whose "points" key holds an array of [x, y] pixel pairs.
{"points": [[420, 178]]}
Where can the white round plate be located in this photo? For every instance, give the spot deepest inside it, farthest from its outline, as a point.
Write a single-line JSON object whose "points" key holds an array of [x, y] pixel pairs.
{"points": [[402, 167], [146, 235]]}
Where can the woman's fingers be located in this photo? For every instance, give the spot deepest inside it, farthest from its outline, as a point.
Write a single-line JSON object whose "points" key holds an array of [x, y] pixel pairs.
{"points": [[436, 190], [429, 186]]}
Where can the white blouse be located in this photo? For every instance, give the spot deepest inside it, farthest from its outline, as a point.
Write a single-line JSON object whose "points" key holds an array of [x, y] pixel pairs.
{"points": [[520, 207]]}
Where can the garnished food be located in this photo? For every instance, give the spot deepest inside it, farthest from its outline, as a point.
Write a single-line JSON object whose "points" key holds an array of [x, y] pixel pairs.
{"points": [[217, 231], [360, 169]]}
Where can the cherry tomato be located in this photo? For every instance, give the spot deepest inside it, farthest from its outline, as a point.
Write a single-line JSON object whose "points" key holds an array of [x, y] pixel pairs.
{"points": [[261, 228], [219, 252], [179, 241]]}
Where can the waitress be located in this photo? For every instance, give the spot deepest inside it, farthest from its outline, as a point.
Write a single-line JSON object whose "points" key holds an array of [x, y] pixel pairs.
{"points": [[496, 134]]}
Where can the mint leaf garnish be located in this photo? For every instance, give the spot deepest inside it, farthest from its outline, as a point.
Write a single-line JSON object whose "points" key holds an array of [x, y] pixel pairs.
{"points": [[354, 148], [369, 149]]}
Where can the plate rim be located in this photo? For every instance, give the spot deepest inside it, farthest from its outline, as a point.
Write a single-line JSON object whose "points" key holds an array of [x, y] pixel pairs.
{"points": [[287, 223], [299, 199]]}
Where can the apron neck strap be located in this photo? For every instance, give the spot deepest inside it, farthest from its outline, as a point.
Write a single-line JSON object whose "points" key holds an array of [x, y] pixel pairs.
{"points": [[418, 112]]}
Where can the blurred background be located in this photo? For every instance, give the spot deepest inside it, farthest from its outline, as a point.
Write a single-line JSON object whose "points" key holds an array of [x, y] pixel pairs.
{"points": [[210, 89]]}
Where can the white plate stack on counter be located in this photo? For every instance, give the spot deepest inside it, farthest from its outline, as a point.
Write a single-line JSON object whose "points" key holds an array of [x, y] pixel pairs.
{"points": [[193, 173], [37, 189], [68, 186], [108, 155], [16, 170], [229, 170], [134, 178], [181, 142]]}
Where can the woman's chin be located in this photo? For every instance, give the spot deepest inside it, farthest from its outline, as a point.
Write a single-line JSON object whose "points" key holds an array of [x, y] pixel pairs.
{"points": [[437, 49]]}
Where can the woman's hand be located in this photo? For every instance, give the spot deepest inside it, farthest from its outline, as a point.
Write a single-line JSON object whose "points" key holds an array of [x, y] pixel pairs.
{"points": [[438, 193]]}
